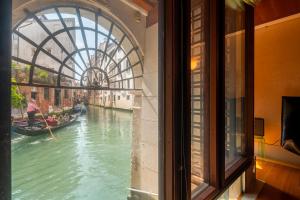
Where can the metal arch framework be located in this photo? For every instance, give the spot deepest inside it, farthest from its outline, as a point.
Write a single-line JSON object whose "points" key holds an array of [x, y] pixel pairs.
{"points": [[106, 64], [96, 75]]}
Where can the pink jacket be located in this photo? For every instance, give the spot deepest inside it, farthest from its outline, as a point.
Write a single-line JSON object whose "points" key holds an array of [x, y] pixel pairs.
{"points": [[32, 107]]}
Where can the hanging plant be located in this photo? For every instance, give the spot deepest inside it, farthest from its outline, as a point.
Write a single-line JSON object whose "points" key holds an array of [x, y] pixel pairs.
{"points": [[252, 2], [239, 4]]}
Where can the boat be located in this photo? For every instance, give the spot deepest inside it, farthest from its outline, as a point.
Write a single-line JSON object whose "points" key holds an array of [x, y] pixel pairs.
{"points": [[80, 108], [39, 127]]}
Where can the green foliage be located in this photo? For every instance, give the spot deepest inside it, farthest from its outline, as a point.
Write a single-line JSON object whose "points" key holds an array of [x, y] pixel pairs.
{"points": [[239, 4], [18, 100], [20, 72], [57, 113], [41, 74]]}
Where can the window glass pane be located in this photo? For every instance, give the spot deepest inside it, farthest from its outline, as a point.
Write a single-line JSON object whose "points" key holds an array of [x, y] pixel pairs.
{"points": [[199, 154], [234, 83]]}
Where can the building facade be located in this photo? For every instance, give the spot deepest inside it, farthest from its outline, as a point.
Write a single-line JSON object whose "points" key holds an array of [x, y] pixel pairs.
{"points": [[110, 98], [48, 99]]}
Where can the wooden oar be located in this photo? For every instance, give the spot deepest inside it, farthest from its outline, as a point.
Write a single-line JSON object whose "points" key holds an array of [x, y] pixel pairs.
{"points": [[47, 126]]}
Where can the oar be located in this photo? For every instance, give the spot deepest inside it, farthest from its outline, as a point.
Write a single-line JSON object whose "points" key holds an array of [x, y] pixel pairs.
{"points": [[47, 126]]}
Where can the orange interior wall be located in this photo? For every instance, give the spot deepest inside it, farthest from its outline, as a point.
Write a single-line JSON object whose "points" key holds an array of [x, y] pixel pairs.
{"points": [[277, 74]]}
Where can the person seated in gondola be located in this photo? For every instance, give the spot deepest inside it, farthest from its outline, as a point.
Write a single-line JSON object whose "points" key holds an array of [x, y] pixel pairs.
{"points": [[32, 108], [51, 120]]}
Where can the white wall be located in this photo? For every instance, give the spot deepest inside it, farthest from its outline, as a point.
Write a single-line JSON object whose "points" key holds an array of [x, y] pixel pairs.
{"points": [[277, 74], [145, 128], [122, 100]]}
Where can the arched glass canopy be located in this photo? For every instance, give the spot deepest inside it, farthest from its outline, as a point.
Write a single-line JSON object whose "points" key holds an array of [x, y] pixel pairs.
{"points": [[73, 47]]}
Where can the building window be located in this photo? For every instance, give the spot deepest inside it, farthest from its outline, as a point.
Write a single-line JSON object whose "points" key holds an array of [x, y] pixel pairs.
{"points": [[33, 95], [128, 97], [114, 97], [119, 97], [66, 93], [57, 97], [46, 93]]}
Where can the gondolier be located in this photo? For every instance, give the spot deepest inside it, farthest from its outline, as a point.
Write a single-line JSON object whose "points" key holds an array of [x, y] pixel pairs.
{"points": [[32, 108]]}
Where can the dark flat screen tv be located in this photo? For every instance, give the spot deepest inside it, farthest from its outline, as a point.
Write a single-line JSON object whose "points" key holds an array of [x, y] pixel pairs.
{"points": [[290, 124]]}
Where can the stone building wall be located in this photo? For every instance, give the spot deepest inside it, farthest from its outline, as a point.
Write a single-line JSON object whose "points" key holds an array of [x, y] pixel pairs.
{"points": [[144, 175]]}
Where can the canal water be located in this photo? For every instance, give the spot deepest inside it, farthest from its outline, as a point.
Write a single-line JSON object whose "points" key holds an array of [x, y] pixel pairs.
{"points": [[89, 160]]}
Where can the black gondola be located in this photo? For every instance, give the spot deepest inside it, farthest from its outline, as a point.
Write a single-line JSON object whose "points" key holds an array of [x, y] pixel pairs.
{"points": [[79, 109], [40, 127]]}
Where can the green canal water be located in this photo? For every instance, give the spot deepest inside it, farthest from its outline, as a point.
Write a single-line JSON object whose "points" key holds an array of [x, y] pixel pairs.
{"points": [[90, 160]]}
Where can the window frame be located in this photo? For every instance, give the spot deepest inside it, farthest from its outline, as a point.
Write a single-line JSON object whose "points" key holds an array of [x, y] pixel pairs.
{"points": [[220, 178], [66, 94], [5, 92], [174, 115], [175, 118]]}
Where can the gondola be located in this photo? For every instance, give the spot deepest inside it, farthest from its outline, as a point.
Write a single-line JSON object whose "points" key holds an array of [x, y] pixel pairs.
{"points": [[39, 128], [79, 109]]}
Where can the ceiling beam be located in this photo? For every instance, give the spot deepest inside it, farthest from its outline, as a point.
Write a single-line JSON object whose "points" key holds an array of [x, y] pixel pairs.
{"points": [[270, 10], [142, 6]]}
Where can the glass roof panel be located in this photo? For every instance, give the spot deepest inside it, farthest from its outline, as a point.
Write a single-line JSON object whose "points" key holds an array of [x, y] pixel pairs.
{"points": [[69, 16], [25, 53], [52, 48], [91, 38], [127, 45], [133, 57], [33, 31], [88, 18], [44, 77], [104, 25], [64, 42], [50, 19], [47, 61], [117, 34]]}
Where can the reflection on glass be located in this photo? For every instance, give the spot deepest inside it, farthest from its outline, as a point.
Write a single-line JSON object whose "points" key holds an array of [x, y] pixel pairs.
{"points": [[234, 83], [198, 104]]}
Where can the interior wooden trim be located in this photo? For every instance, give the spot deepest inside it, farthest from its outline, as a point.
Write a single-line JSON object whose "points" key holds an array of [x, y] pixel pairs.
{"points": [[220, 179], [214, 61], [244, 163], [208, 193], [175, 35], [277, 162]]}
